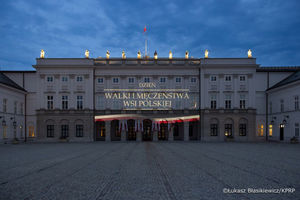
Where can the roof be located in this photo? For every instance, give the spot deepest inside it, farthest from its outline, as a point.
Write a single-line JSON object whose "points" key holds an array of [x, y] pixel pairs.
{"points": [[290, 79], [7, 81], [18, 71], [278, 69]]}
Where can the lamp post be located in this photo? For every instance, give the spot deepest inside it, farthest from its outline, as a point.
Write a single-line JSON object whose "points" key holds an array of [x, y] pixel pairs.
{"points": [[14, 123]]}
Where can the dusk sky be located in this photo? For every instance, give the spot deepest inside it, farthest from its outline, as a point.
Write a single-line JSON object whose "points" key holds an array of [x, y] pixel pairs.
{"points": [[227, 28]]}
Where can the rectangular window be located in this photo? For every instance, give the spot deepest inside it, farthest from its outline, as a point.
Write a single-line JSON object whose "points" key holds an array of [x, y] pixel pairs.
{"points": [[243, 130], [64, 79], [228, 78], [49, 102], [147, 79], [242, 78], [227, 101], [130, 80], [213, 129], [162, 79], [49, 78], [79, 130], [21, 108], [4, 105], [213, 78], [64, 131], [100, 80], [228, 130], [193, 80], [178, 79], [79, 102], [261, 130], [15, 107], [64, 102], [296, 102], [213, 102], [115, 80], [50, 130], [270, 130], [281, 105], [296, 129], [31, 131], [79, 78], [242, 101]]}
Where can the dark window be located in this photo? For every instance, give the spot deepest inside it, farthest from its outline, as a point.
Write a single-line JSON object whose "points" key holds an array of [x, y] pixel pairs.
{"points": [[64, 131], [243, 130], [213, 78], [147, 80], [213, 104], [228, 130], [64, 102], [79, 102], [100, 80], [50, 130], [228, 104], [50, 102], [213, 129], [242, 104], [242, 78], [296, 102], [227, 78], [79, 130]]}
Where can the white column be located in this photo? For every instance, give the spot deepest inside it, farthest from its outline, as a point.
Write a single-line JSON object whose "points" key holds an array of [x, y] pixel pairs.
{"points": [[186, 136], [123, 132], [107, 131]]}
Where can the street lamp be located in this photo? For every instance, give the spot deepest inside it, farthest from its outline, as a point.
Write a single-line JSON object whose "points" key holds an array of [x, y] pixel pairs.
{"points": [[15, 127]]}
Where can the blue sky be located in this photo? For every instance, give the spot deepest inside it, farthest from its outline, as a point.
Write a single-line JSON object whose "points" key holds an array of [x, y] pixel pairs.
{"points": [[227, 28]]}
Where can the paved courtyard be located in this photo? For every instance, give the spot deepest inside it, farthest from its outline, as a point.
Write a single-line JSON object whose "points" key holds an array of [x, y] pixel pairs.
{"points": [[148, 170]]}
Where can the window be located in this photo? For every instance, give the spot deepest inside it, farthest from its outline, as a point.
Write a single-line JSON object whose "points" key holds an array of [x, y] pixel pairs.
{"points": [[213, 129], [79, 102], [49, 102], [270, 130], [270, 107], [261, 130], [31, 131], [130, 80], [15, 107], [296, 102], [64, 131], [228, 101], [21, 108], [193, 80], [178, 79], [281, 105], [79, 78], [296, 129], [227, 78], [228, 130], [242, 101], [213, 78], [115, 80], [242, 78], [79, 130], [50, 130], [49, 78], [100, 80], [243, 130], [213, 101], [4, 105], [64, 102], [147, 79], [162, 79], [64, 79]]}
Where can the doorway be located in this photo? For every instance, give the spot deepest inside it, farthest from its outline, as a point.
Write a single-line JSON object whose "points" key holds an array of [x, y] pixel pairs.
{"points": [[147, 133], [281, 131], [131, 135]]}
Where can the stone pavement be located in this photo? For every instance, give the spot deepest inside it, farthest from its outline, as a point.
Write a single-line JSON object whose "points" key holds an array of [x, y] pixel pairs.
{"points": [[148, 170]]}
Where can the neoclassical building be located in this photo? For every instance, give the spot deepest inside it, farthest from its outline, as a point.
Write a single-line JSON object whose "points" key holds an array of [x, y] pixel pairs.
{"points": [[153, 99]]}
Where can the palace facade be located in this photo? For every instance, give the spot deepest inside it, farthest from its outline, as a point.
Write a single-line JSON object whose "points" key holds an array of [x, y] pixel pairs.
{"points": [[137, 99]]}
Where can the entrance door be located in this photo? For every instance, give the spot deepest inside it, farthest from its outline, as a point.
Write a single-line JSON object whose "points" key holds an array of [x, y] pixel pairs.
{"points": [[100, 130], [147, 134], [131, 129], [163, 133], [281, 131]]}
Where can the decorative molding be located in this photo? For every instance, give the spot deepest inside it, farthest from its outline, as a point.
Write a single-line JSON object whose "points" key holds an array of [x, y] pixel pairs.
{"points": [[56, 76], [42, 76], [86, 76]]}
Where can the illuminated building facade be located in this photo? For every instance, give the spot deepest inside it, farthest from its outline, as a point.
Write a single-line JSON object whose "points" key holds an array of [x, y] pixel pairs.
{"points": [[136, 99]]}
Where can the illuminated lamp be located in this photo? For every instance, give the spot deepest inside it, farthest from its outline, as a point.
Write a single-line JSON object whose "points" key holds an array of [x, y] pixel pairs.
{"points": [[87, 54], [249, 53], [170, 55], [155, 55], [186, 55], [206, 53], [42, 55], [139, 55], [107, 54], [123, 55]]}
